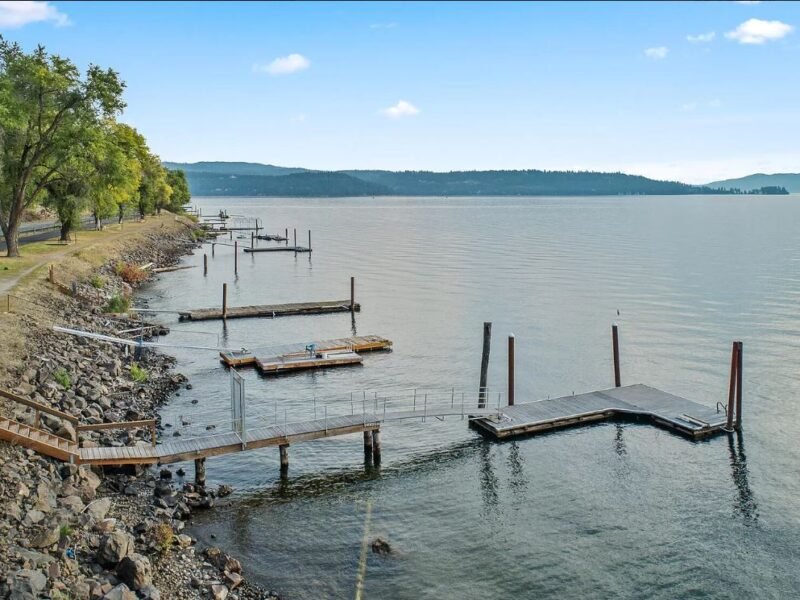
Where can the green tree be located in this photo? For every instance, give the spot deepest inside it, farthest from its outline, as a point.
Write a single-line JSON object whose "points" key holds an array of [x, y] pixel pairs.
{"points": [[45, 106], [180, 190]]}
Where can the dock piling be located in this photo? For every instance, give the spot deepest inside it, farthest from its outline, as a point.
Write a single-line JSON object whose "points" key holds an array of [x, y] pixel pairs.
{"points": [[213, 246], [615, 343], [352, 294], [286, 234], [200, 472], [309, 240], [205, 264], [739, 349], [224, 300], [295, 237], [236, 258], [487, 342], [376, 445], [732, 385], [511, 370], [367, 442], [284, 451]]}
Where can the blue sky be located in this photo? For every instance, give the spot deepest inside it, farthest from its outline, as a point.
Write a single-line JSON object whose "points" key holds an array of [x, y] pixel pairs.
{"points": [[609, 86]]}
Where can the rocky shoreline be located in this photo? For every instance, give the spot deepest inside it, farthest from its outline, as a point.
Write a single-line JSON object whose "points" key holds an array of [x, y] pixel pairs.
{"points": [[70, 531]]}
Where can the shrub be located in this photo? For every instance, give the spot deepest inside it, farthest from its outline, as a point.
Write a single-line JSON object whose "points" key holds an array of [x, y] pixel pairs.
{"points": [[97, 281], [118, 304], [65, 531], [138, 374], [198, 234], [62, 378], [130, 273], [162, 537]]}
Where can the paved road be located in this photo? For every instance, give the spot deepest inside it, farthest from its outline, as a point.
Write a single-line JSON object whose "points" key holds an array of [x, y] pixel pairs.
{"points": [[29, 232]]}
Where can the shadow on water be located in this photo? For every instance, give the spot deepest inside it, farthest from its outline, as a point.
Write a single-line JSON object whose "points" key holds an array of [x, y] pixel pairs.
{"points": [[619, 441], [745, 503], [516, 464], [488, 478]]}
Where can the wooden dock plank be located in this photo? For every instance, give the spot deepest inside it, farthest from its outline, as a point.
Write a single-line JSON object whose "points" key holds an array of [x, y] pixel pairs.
{"points": [[271, 310], [359, 344]]}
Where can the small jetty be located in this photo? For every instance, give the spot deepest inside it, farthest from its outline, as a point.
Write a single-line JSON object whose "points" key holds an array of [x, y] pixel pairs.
{"points": [[359, 344], [630, 402], [313, 359], [272, 237], [270, 310], [279, 249]]}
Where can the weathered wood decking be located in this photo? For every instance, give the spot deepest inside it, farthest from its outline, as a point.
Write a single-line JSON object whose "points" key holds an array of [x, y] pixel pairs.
{"points": [[360, 344], [633, 401], [270, 310], [279, 249], [272, 237], [277, 365]]}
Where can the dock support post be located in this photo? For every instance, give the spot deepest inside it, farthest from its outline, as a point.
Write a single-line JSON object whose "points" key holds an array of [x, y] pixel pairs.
{"points": [[284, 450], [309, 240], [236, 258], [286, 235], [252, 239], [200, 472], [376, 445], [739, 386], [205, 264], [352, 294], [224, 300], [213, 246], [487, 342], [511, 370], [295, 237], [732, 385], [615, 343], [367, 442]]}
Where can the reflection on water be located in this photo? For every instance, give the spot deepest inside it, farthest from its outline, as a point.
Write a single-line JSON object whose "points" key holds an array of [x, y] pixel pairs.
{"points": [[745, 503], [609, 511]]}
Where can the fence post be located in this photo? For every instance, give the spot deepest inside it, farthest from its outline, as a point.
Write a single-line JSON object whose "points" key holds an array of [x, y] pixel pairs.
{"points": [[487, 342]]}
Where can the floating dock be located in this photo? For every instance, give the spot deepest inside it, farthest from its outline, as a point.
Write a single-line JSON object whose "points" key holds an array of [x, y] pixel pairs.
{"points": [[272, 238], [364, 343], [270, 310], [630, 402], [277, 365], [280, 249]]}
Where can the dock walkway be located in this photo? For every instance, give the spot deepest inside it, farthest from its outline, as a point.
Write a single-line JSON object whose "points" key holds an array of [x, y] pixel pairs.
{"points": [[361, 343]]}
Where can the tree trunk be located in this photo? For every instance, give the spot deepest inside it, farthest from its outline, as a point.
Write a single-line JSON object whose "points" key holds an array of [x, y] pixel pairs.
{"points": [[121, 214], [10, 233], [98, 224], [66, 228]]}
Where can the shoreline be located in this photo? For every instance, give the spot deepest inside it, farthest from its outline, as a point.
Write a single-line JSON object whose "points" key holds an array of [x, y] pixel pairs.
{"points": [[71, 531]]}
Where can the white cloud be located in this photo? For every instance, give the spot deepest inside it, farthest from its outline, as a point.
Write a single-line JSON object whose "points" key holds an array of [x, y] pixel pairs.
{"points": [[757, 31], [17, 14], [383, 25], [747, 1], [658, 53], [702, 38], [284, 65], [401, 109]]}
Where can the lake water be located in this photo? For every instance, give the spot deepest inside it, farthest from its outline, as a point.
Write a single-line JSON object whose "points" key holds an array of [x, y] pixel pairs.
{"points": [[609, 511]]}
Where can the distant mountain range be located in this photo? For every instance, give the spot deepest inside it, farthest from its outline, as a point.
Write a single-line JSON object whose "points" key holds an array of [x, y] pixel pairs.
{"points": [[255, 179], [790, 181]]}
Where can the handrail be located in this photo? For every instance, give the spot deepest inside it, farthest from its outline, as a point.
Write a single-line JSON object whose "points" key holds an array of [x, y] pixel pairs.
{"points": [[40, 407], [150, 424]]}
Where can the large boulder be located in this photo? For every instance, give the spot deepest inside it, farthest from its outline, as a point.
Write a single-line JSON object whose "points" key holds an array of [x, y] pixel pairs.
{"points": [[46, 537], [120, 592], [114, 547], [26, 584], [135, 571], [99, 508], [67, 431]]}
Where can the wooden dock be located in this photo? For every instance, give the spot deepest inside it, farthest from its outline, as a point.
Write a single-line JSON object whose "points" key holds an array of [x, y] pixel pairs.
{"points": [[630, 402], [279, 249], [272, 237], [360, 344], [286, 363], [270, 310]]}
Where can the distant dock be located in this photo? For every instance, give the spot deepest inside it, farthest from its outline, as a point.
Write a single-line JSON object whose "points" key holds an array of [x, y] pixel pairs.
{"points": [[360, 344], [270, 310], [279, 249]]}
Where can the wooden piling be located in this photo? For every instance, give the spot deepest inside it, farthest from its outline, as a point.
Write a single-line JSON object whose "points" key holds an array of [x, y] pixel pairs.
{"points": [[205, 264], [286, 234], [52, 275], [487, 342], [224, 300], [352, 294], [615, 343], [309, 240], [252, 239], [284, 451], [200, 472], [739, 348], [511, 370], [235, 258], [376, 445], [732, 385], [367, 442], [213, 245], [295, 237]]}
